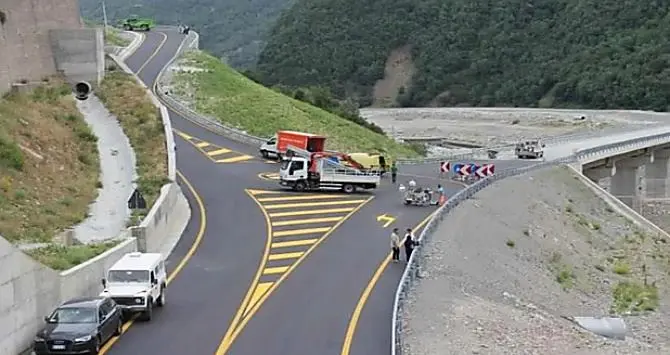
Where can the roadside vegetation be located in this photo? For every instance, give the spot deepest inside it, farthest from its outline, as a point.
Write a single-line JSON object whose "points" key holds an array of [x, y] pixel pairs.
{"points": [[113, 38], [217, 90], [142, 123], [49, 165], [61, 258]]}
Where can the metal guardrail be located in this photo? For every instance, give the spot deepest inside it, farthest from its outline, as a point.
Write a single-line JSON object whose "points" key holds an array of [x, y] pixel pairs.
{"points": [[412, 270]]}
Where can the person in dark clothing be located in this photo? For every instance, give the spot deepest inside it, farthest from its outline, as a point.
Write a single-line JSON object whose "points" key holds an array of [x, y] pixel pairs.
{"points": [[410, 243], [394, 172]]}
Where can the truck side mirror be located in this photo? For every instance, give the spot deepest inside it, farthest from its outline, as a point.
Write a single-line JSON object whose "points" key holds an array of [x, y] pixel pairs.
{"points": [[46, 319], [104, 283]]}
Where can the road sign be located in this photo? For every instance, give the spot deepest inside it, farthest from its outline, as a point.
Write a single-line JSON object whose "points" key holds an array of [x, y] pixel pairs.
{"points": [[465, 169], [444, 166], [137, 201], [457, 167], [386, 219], [485, 170]]}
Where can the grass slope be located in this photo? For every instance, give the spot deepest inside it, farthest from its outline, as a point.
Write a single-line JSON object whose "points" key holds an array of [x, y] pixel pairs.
{"points": [[237, 101], [49, 164], [141, 122]]}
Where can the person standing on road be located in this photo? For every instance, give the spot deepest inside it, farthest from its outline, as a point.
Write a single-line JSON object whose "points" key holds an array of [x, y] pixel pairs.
{"points": [[410, 243], [395, 245], [394, 172]]}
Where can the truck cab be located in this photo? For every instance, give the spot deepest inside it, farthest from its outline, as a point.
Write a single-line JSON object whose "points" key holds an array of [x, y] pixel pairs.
{"points": [[137, 282], [277, 146], [323, 171]]}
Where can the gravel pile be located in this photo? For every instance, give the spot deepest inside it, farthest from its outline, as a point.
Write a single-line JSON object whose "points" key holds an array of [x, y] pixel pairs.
{"points": [[507, 267]]}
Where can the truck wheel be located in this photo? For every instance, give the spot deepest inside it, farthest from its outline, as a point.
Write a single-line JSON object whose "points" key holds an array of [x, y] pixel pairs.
{"points": [[348, 188], [299, 186]]}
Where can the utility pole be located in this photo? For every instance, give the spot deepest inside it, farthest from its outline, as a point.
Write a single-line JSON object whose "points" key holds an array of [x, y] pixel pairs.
{"points": [[104, 14]]}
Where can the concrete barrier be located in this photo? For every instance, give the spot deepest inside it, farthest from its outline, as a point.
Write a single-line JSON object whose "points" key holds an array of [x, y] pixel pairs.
{"points": [[29, 290], [79, 53]]}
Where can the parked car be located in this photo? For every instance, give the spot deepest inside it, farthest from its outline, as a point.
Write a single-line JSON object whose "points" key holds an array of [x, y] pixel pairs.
{"points": [[79, 326]]}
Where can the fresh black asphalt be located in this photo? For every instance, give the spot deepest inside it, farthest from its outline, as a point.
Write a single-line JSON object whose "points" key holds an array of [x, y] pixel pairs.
{"points": [[309, 312]]}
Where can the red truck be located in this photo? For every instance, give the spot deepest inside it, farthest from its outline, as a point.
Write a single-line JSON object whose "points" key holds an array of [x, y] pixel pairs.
{"points": [[278, 144]]}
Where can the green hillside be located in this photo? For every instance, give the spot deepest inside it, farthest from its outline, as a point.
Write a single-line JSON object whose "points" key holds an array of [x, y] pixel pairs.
{"points": [[219, 91], [546, 53], [230, 29]]}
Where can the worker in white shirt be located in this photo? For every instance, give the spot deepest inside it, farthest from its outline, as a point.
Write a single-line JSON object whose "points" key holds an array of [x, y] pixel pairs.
{"points": [[395, 245]]}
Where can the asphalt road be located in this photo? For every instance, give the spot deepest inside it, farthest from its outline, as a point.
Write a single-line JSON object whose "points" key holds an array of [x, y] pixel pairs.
{"points": [[274, 272], [207, 291]]}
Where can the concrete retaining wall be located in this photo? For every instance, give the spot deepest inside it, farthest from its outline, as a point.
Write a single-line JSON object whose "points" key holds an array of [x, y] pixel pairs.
{"points": [[79, 53], [30, 290], [25, 32]]}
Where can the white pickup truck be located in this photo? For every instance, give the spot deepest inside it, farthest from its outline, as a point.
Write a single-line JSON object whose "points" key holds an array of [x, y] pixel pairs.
{"points": [[316, 173]]}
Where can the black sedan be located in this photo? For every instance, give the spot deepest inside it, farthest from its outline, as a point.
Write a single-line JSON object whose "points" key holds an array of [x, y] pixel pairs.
{"points": [[79, 326]]}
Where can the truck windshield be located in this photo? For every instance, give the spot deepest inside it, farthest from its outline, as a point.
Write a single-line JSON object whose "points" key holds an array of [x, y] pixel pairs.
{"points": [[129, 276]]}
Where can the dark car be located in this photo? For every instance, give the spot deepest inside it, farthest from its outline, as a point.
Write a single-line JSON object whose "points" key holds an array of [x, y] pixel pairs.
{"points": [[79, 326]]}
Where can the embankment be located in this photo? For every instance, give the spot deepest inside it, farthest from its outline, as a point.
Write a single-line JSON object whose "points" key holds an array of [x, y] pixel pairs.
{"points": [[29, 290]]}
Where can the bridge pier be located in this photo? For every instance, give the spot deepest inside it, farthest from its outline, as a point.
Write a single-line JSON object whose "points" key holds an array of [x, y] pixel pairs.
{"points": [[656, 175]]}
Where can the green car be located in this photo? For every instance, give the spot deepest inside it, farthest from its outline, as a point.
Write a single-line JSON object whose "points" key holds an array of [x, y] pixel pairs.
{"points": [[135, 23]]}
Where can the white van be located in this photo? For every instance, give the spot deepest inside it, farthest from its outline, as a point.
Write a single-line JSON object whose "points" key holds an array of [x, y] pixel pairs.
{"points": [[137, 283]]}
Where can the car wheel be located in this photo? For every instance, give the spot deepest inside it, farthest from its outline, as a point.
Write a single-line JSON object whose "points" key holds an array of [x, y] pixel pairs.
{"points": [[348, 188], [119, 328], [161, 298], [264, 154]]}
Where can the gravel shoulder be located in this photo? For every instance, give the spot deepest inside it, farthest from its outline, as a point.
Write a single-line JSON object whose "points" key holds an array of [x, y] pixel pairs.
{"points": [[504, 286]]}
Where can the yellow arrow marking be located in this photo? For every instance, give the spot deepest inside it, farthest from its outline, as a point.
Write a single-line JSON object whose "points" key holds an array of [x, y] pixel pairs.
{"points": [[386, 218]]}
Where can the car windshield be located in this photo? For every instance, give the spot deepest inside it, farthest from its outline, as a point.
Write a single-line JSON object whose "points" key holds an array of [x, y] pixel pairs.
{"points": [[129, 276], [73, 315]]}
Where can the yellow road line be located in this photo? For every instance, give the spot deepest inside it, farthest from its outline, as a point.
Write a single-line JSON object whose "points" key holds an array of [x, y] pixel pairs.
{"points": [[219, 151], [262, 192], [182, 263], [308, 212], [305, 221], [313, 204], [182, 134], [235, 328], [294, 243], [297, 198], [235, 159], [300, 232], [260, 290], [284, 256], [202, 145], [353, 322], [275, 270]]}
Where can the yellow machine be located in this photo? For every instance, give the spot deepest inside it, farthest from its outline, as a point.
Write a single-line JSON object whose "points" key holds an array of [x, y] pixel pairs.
{"points": [[371, 161]]}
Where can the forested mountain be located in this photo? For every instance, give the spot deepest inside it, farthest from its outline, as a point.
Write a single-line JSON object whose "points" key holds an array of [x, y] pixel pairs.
{"points": [[547, 53], [231, 29]]}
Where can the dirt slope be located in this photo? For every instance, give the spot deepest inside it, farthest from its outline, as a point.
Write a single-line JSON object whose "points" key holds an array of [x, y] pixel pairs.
{"points": [[509, 264]]}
